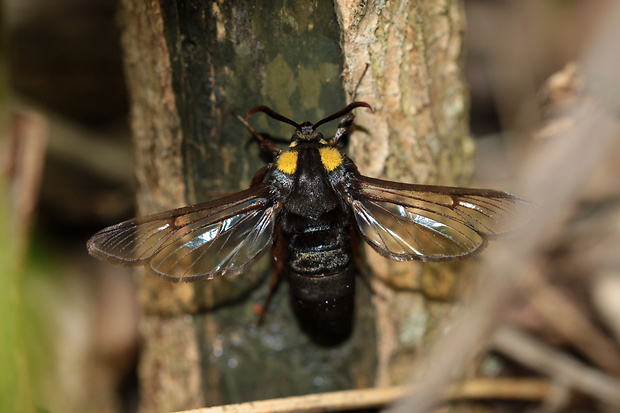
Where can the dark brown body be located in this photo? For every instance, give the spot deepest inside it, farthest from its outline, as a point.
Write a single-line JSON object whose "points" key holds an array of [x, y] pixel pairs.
{"points": [[316, 232]]}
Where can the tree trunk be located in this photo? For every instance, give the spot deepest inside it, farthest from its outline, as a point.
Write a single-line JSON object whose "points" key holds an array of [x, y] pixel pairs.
{"points": [[419, 134], [189, 63]]}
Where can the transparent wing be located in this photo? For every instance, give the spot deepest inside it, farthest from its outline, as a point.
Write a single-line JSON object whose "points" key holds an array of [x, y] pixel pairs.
{"points": [[431, 223], [202, 241]]}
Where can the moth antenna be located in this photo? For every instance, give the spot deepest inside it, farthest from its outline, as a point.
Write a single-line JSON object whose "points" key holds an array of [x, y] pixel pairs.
{"points": [[271, 113], [343, 112]]}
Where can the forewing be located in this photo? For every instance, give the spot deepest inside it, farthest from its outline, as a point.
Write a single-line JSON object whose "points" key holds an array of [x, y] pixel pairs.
{"points": [[431, 223], [196, 242]]}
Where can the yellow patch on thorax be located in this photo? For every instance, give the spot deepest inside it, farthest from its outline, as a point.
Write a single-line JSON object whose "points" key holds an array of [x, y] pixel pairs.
{"points": [[331, 158], [287, 162]]}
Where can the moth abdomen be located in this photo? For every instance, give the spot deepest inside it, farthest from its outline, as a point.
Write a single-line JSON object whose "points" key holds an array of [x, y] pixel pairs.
{"points": [[324, 305]]}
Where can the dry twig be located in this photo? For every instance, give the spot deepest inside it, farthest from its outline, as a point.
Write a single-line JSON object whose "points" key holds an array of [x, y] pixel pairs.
{"points": [[566, 319], [524, 390], [563, 368]]}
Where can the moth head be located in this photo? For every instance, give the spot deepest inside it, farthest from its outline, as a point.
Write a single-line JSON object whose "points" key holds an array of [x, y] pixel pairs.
{"points": [[306, 131]]}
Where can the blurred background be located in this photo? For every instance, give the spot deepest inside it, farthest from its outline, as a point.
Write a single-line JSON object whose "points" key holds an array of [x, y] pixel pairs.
{"points": [[68, 169]]}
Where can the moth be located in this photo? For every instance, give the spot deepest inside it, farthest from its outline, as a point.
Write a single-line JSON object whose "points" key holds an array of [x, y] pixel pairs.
{"points": [[315, 206]]}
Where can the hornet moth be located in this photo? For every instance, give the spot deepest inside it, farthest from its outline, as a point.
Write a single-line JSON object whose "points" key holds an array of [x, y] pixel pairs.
{"points": [[315, 205]]}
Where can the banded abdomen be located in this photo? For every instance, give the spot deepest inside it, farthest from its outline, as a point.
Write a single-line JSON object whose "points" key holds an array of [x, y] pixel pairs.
{"points": [[321, 274], [316, 230]]}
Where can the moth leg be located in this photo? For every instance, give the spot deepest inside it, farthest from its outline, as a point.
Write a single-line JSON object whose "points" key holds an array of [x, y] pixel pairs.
{"points": [[261, 310], [266, 144], [279, 260], [359, 82], [345, 123], [259, 176], [344, 127]]}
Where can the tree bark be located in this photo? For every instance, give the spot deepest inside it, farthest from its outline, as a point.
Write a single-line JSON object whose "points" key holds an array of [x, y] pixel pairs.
{"points": [[188, 64], [419, 134]]}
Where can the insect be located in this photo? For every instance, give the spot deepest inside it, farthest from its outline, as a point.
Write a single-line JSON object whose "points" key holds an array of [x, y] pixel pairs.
{"points": [[315, 206]]}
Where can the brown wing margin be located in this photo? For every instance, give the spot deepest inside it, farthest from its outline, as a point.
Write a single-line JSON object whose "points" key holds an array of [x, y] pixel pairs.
{"points": [[429, 222], [201, 241]]}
